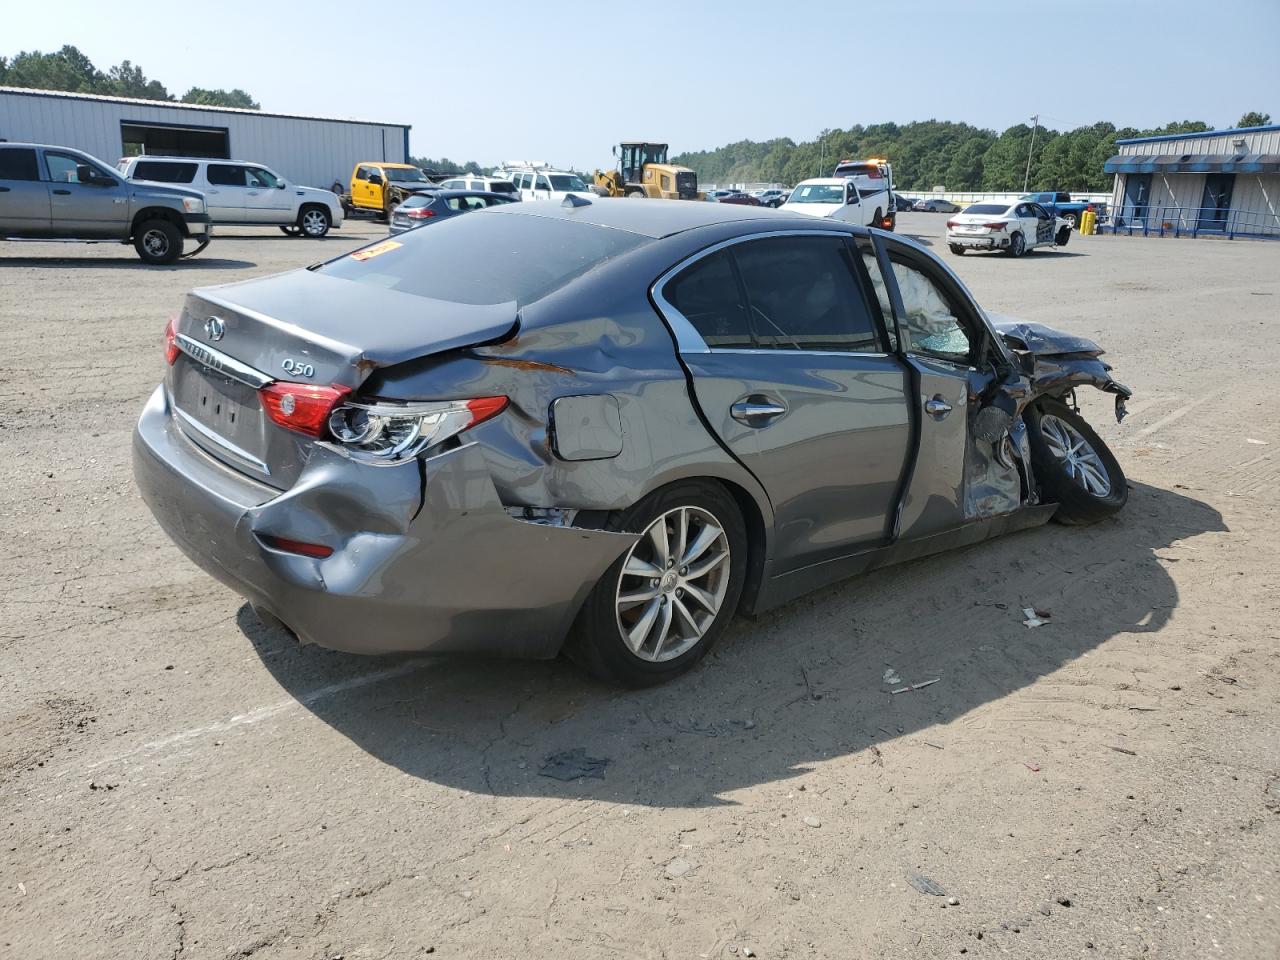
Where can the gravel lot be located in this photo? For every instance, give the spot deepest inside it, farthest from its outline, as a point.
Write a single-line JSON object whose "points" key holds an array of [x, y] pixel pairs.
{"points": [[176, 780]]}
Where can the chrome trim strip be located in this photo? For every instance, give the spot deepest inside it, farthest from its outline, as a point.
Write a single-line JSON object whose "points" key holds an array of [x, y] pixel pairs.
{"points": [[687, 337], [227, 445], [217, 360]]}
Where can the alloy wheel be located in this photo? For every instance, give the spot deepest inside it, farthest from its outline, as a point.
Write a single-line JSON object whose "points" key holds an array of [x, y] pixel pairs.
{"points": [[313, 224], [673, 584], [156, 243], [1077, 456]]}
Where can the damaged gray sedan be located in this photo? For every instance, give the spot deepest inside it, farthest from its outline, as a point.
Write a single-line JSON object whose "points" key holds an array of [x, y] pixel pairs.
{"points": [[604, 427]]}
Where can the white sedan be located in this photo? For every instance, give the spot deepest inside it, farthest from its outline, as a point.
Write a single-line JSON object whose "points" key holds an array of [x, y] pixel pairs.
{"points": [[1014, 228]]}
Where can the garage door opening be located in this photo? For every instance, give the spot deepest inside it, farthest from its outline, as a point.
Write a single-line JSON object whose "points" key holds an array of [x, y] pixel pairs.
{"points": [[165, 140]]}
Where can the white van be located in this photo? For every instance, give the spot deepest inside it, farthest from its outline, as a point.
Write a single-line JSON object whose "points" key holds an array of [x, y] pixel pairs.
{"points": [[833, 197], [494, 184], [243, 194]]}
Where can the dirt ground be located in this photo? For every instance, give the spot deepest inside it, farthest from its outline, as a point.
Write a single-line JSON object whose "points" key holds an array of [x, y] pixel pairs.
{"points": [[178, 781]]}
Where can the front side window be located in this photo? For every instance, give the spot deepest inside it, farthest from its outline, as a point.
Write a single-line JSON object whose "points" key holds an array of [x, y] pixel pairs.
{"points": [[18, 163], [543, 183], [65, 168], [362, 173], [802, 295], [708, 295], [225, 175], [258, 177], [930, 323]]}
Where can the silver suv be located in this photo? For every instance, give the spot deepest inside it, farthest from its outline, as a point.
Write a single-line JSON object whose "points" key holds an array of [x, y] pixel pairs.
{"points": [[57, 193], [243, 193]]}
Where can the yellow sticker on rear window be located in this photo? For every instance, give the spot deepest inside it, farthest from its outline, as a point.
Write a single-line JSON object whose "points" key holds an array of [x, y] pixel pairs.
{"points": [[386, 246]]}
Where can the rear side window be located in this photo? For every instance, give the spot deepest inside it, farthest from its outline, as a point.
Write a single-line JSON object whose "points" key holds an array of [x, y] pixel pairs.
{"points": [[225, 175], [18, 163], [708, 295], [485, 260], [162, 171], [502, 186], [803, 295]]}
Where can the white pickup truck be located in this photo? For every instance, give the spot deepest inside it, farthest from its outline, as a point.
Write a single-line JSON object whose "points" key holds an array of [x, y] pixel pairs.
{"points": [[243, 194], [836, 198]]}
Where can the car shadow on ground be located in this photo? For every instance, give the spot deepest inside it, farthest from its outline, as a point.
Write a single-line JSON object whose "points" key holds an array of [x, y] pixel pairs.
{"points": [[791, 689], [123, 263]]}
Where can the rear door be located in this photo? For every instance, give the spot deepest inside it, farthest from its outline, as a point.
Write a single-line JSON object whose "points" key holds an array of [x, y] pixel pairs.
{"points": [[790, 368], [24, 196], [84, 198]]}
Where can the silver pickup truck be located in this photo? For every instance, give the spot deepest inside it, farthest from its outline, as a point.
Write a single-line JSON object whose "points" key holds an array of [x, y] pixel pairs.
{"points": [[56, 193]]}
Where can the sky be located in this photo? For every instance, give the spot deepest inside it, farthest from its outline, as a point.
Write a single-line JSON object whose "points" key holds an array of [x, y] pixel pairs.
{"points": [[561, 83]]}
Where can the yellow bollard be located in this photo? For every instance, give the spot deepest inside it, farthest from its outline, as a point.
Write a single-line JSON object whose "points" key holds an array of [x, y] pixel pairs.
{"points": [[1088, 223]]}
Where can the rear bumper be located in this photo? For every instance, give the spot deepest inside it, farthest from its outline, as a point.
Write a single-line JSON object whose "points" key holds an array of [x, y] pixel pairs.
{"points": [[424, 559], [978, 242]]}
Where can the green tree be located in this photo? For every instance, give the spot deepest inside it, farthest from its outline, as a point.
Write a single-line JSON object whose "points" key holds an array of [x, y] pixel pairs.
{"points": [[68, 69], [1254, 119], [126, 80], [221, 98]]}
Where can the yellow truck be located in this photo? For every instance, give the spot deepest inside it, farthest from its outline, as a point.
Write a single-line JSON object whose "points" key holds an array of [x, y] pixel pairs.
{"points": [[378, 187], [643, 171]]}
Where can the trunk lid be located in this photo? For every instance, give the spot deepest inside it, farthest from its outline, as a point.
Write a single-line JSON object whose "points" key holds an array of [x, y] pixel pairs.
{"points": [[306, 328]]}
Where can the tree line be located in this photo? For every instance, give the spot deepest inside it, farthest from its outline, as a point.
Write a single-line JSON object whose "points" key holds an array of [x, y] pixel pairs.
{"points": [[69, 69], [930, 153]]}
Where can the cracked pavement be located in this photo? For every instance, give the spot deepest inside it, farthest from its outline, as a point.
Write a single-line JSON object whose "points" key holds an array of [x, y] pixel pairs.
{"points": [[178, 781]]}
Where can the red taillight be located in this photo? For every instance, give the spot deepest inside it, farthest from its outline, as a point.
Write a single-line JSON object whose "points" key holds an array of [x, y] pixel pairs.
{"points": [[952, 224], [171, 341], [316, 550], [995, 226], [303, 407], [419, 213]]}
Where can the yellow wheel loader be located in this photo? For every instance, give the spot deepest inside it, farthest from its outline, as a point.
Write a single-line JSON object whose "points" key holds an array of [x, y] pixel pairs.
{"points": [[643, 171]]}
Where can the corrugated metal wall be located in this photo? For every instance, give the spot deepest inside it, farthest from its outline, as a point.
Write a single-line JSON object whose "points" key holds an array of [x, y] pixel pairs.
{"points": [[305, 151], [1265, 142]]}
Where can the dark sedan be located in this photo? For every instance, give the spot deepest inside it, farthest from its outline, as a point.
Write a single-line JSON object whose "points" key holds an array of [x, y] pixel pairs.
{"points": [[606, 426], [423, 208]]}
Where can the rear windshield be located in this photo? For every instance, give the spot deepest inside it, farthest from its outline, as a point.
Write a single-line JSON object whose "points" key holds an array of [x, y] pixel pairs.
{"points": [[487, 259], [987, 208]]}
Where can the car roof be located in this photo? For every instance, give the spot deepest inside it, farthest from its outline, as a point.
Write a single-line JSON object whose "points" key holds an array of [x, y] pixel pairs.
{"points": [[658, 218], [824, 181]]}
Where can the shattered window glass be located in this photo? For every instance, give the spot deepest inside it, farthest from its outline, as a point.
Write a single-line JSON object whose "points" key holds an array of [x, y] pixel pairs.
{"points": [[930, 324]]}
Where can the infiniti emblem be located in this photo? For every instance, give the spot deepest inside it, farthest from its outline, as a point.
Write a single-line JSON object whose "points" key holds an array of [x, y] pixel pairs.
{"points": [[214, 328]]}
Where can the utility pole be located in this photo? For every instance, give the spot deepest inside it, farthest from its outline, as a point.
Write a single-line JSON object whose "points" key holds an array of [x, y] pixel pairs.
{"points": [[1035, 122]]}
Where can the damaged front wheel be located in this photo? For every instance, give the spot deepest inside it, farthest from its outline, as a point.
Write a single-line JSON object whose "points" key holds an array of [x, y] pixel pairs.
{"points": [[1073, 465]]}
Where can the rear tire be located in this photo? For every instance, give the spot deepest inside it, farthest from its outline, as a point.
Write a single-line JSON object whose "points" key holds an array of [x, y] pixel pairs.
{"points": [[1070, 218], [957, 249], [636, 195], [635, 634], [158, 242], [1017, 246], [1074, 467]]}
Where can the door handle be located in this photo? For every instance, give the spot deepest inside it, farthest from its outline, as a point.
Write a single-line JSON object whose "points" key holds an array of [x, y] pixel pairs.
{"points": [[756, 411], [937, 408], [63, 193]]}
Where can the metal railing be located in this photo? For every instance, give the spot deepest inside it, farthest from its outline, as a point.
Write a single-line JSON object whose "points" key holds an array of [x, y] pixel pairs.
{"points": [[1178, 221]]}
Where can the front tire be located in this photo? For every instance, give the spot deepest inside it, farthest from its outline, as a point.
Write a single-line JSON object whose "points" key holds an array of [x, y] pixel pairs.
{"points": [[158, 242], [1074, 467], [1063, 236], [636, 195], [1017, 246], [314, 222], [663, 604]]}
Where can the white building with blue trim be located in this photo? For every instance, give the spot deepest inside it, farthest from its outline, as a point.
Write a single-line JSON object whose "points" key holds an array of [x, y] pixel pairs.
{"points": [[314, 151], [1217, 183]]}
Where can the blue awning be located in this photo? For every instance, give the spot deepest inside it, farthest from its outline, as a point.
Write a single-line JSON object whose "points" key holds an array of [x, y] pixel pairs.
{"points": [[1195, 163]]}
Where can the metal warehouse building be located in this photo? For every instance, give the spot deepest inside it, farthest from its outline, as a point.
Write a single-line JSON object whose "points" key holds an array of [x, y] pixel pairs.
{"points": [[1218, 183], [313, 151]]}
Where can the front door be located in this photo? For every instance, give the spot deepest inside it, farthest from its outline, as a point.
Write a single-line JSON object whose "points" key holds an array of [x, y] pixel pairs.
{"points": [[24, 196], [1215, 203], [86, 198], [265, 201], [851, 209], [940, 335], [1044, 224], [791, 369]]}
